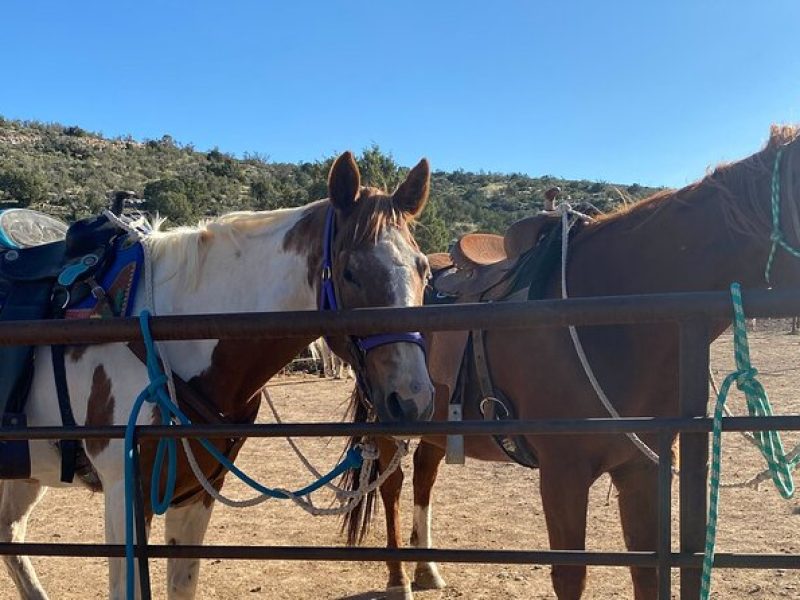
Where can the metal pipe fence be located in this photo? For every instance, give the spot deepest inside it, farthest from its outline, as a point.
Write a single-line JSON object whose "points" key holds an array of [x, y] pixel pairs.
{"points": [[693, 313]]}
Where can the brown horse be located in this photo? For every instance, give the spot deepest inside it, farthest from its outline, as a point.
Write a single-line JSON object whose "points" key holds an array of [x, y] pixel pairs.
{"points": [[699, 238]]}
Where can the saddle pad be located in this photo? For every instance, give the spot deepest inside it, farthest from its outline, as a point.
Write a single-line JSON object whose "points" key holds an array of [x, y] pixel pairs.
{"points": [[119, 282], [24, 228]]}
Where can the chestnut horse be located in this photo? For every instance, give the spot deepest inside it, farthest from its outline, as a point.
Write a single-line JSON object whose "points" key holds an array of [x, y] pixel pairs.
{"points": [[242, 262], [699, 238]]}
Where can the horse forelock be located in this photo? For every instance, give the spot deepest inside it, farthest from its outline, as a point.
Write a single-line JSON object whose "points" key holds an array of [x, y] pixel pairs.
{"points": [[374, 213], [384, 230]]}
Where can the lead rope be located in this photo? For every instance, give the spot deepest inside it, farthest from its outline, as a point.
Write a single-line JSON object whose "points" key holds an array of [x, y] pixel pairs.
{"points": [[776, 237], [568, 218], [780, 466]]}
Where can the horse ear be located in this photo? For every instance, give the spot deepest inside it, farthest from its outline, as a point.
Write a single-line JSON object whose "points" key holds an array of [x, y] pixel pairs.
{"points": [[411, 195], [344, 182]]}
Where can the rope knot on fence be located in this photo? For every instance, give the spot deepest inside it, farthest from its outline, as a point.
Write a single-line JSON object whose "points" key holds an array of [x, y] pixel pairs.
{"points": [[746, 380]]}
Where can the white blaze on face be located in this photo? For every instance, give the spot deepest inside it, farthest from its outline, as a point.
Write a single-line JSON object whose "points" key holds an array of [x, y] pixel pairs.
{"points": [[404, 368], [399, 259]]}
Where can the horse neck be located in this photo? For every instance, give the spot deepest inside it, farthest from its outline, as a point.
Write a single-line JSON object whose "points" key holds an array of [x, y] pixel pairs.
{"points": [[254, 272], [682, 243]]}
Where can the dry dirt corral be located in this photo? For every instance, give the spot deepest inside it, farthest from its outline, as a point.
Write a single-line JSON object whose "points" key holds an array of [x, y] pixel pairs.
{"points": [[478, 505]]}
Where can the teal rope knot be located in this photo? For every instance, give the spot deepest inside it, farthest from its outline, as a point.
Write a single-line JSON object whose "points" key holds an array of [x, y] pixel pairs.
{"points": [[746, 378], [154, 386]]}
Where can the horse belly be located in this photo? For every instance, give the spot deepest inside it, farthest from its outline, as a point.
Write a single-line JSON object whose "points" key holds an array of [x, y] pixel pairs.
{"points": [[103, 381]]}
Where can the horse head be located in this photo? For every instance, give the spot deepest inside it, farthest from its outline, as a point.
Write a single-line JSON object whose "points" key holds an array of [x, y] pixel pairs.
{"points": [[371, 260]]}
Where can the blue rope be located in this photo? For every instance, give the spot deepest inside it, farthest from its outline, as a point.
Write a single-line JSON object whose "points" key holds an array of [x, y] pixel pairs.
{"points": [[166, 452]]}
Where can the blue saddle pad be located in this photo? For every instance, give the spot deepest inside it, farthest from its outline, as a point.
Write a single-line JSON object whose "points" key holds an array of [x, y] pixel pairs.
{"points": [[119, 282]]}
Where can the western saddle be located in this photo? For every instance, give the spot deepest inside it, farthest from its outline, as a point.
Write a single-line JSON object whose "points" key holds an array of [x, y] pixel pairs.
{"points": [[45, 267], [485, 267]]}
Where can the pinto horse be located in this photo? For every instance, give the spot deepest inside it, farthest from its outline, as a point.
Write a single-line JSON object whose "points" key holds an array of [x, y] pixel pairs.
{"points": [[241, 262], [699, 238]]}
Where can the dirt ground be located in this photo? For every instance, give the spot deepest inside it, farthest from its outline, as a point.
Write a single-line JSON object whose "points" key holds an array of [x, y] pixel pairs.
{"points": [[485, 505]]}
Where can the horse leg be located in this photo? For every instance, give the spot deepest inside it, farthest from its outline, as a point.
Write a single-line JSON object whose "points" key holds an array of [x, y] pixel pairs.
{"points": [[427, 459], [565, 497], [338, 367], [637, 484], [17, 500], [398, 587], [185, 525], [115, 534]]}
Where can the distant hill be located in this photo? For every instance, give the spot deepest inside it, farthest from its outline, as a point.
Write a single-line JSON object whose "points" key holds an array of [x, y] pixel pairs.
{"points": [[69, 172]]}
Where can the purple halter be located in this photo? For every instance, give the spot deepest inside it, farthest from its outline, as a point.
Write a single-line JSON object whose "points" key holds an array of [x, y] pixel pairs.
{"points": [[328, 297]]}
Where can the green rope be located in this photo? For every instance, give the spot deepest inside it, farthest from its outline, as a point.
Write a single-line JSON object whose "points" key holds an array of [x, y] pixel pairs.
{"points": [[777, 236], [769, 442]]}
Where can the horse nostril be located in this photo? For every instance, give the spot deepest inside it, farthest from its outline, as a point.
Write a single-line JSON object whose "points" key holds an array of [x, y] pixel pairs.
{"points": [[400, 409], [394, 407]]}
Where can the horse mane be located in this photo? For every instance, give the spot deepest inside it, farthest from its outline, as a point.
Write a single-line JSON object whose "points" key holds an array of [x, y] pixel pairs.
{"points": [[373, 213], [735, 184], [189, 244]]}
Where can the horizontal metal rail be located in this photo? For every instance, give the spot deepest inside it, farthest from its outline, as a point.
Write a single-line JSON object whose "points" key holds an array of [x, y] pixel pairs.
{"points": [[412, 430], [687, 308], [606, 310], [381, 554]]}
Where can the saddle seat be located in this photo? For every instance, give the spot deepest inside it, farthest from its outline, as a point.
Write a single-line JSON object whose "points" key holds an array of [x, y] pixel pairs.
{"points": [[481, 266]]}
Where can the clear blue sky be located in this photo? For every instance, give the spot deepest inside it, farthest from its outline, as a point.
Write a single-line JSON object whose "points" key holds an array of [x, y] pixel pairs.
{"points": [[620, 91]]}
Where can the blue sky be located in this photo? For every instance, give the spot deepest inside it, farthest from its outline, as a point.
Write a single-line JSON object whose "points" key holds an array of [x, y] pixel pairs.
{"points": [[619, 91]]}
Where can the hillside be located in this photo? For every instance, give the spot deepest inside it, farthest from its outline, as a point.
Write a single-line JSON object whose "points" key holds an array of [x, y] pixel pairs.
{"points": [[69, 172]]}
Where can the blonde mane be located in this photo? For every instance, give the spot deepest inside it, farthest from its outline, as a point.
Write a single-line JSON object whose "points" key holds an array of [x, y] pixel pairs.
{"points": [[189, 245]]}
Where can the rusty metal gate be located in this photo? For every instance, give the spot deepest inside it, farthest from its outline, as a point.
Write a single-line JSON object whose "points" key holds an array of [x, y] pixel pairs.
{"points": [[693, 312]]}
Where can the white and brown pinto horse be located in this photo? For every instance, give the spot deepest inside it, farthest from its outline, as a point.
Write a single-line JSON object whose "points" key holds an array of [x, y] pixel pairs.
{"points": [[241, 262]]}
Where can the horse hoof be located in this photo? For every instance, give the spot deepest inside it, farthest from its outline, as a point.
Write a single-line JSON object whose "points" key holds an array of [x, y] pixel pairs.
{"points": [[428, 578], [399, 592]]}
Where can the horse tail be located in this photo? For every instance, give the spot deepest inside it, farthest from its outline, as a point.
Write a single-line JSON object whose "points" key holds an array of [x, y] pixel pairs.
{"points": [[356, 523]]}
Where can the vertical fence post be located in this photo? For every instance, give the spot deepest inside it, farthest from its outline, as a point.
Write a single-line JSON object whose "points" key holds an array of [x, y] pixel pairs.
{"points": [[665, 515], [140, 524], [694, 357]]}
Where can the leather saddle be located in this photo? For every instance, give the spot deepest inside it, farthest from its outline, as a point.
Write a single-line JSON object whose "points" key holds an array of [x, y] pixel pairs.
{"points": [[487, 267], [40, 276], [482, 266]]}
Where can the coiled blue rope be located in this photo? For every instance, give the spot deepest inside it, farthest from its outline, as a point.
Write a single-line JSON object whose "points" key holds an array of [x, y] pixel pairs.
{"points": [[166, 452]]}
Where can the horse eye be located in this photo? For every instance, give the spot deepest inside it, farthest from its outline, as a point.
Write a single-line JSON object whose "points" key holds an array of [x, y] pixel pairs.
{"points": [[349, 277]]}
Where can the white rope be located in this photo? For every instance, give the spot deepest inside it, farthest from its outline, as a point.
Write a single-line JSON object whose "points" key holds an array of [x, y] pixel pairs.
{"points": [[568, 218], [348, 499]]}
